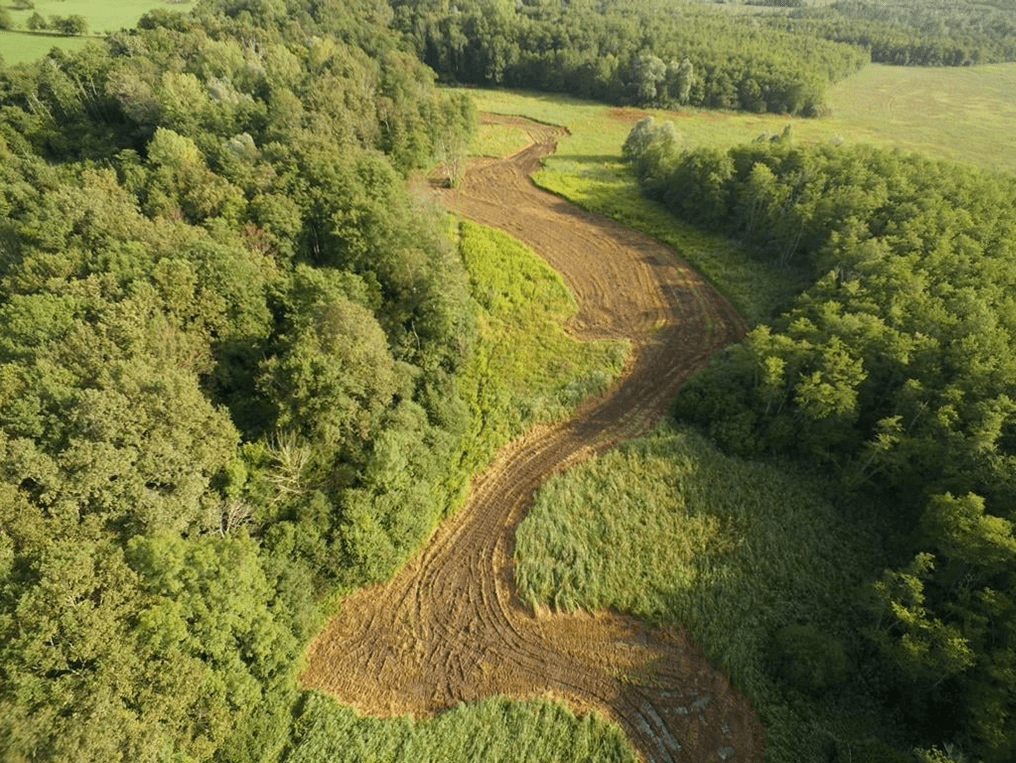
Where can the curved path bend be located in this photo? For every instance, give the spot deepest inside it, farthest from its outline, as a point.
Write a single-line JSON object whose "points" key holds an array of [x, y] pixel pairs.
{"points": [[451, 627]]}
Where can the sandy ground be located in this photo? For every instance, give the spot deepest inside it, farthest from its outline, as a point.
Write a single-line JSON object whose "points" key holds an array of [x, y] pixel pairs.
{"points": [[451, 627]]}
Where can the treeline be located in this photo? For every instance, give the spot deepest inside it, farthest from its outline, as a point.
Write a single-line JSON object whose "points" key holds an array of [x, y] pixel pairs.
{"points": [[896, 371], [915, 32], [228, 367], [657, 53]]}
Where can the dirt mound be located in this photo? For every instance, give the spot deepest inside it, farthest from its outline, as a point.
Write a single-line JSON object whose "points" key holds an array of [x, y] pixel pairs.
{"points": [[451, 627]]}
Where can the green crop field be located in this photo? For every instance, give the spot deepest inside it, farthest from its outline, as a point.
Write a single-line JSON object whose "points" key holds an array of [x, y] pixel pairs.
{"points": [[19, 45]]}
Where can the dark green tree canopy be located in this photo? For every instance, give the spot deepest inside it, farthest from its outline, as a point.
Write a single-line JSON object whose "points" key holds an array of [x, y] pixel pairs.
{"points": [[895, 371], [229, 351]]}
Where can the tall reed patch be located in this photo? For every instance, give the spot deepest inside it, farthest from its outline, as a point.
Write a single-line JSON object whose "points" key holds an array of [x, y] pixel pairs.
{"points": [[764, 571], [494, 730]]}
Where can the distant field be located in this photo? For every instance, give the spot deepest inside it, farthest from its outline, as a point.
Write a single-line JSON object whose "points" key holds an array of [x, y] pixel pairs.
{"points": [[19, 45], [964, 114], [587, 169]]}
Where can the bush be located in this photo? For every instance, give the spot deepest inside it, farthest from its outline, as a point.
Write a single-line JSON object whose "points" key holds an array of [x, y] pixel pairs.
{"points": [[70, 26], [809, 659]]}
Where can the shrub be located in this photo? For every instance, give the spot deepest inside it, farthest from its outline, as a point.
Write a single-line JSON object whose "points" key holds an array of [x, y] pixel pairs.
{"points": [[809, 659]]}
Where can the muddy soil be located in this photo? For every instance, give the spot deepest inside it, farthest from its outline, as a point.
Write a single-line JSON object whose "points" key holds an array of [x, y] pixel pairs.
{"points": [[451, 627]]}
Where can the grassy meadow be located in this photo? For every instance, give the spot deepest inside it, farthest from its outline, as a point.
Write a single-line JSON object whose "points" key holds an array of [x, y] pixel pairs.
{"points": [[761, 567], [20, 45], [525, 367], [494, 730], [745, 554]]}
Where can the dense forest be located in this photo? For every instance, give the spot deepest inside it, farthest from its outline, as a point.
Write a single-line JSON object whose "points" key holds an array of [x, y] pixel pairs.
{"points": [[621, 51], [915, 32], [233, 343], [894, 371], [227, 368], [667, 53]]}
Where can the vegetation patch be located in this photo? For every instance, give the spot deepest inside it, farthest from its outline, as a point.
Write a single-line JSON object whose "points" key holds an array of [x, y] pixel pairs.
{"points": [[525, 367], [748, 555], [497, 140], [493, 730]]}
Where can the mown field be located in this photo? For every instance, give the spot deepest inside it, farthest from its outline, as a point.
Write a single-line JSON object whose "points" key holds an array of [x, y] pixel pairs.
{"points": [[20, 45]]}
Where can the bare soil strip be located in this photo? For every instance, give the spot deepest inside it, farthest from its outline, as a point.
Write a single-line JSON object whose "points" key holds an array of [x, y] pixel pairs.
{"points": [[451, 627]]}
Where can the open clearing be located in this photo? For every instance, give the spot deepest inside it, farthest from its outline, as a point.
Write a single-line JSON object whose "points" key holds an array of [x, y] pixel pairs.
{"points": [[961, 114], [451, 626], [19, 45]]}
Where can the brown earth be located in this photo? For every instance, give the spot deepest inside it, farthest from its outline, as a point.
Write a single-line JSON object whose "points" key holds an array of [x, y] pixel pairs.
{"points": [[451, 626]]}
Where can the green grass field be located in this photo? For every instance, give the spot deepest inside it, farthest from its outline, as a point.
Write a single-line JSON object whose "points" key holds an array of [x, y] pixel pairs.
{"points": [[525, 368], [669, 529], [19, 45], [493, 730]]}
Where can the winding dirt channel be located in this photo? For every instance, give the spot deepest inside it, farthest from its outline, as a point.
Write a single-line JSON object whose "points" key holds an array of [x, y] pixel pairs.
{"points": [[451, 627]]}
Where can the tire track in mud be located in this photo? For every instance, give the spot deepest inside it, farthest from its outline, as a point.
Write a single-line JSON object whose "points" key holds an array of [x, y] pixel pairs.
{"points": [[450, 626]]}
